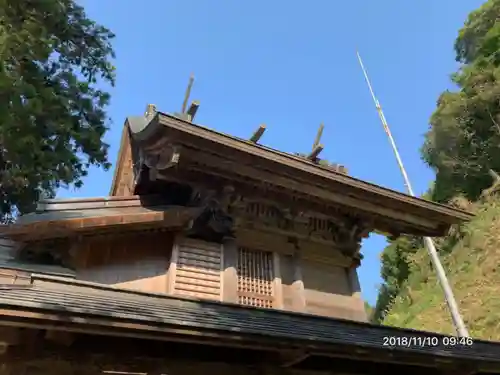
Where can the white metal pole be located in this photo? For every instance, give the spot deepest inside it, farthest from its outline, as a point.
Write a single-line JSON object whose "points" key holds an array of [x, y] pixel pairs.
{"points": [[441, 274]]}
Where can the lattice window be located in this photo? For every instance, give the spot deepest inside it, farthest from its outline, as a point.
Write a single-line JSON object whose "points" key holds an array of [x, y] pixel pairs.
{"points": [[255, 278]]}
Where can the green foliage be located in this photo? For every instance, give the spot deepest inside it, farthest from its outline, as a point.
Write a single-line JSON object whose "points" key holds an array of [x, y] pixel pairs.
{"points": [[369, 311], [394, 272], [463, 143], [472, 269], [475, 38], [52, 115], [463, 147]]}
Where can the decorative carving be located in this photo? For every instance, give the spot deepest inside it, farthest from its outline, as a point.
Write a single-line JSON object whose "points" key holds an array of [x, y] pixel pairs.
{"points": [[345, 231], [215, 221], [163, 158], [225, 208]]}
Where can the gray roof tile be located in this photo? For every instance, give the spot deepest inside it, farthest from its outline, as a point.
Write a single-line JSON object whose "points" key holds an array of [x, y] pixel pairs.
{"points": [[76, 297]]}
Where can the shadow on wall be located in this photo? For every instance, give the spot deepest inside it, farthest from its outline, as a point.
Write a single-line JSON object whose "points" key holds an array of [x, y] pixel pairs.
{"points": [[139, 261]]}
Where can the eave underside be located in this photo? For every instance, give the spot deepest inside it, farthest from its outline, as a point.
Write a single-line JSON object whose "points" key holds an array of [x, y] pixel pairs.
{"points": [[68, 223], [385, 219], [67, 305]]}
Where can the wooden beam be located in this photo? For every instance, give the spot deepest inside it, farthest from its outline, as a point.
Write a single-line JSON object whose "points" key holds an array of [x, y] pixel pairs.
{"points": [[258, 134], [342, 169], [324, 193], [318, 136], [174, 218], [315, 152], [187, 94], [193, 108]]}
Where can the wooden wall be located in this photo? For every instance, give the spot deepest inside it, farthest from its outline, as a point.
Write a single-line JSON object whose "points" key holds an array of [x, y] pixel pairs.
{"points": [[307, 279], [328, 292], [292, 283], [134, 261], [319, 288], [313, 278]]}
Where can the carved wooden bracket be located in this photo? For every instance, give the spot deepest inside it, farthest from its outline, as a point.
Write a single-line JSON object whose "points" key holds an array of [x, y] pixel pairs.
{"points": [[345, 231], [215, 222], [160, 159]]}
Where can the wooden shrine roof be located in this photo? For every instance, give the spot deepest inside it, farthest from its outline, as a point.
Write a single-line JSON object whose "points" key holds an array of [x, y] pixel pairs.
{"points": [[66, 304], [289, 173], [386, 210], [56, 218]]}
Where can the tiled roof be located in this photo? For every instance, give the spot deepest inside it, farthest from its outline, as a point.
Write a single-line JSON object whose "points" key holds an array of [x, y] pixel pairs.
{"points": [[70, 297]]}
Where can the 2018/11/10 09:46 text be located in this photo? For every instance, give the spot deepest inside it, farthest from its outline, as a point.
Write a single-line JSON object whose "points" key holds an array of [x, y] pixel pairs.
{"points": [[426, 341]]}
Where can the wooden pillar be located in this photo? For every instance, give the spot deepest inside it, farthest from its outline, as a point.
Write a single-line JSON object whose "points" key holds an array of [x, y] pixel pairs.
{"points": [[358, 303], [229, 273], [172, 267], [278, 290], [299, 298], [352, 276]]}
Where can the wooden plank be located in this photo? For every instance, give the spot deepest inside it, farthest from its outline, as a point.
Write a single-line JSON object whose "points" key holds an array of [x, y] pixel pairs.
{"points": [[278, 290], [188, 256], [221, 273], [200, 245], [299, 298], [201, 251], [173, 267], [197, 288], [171, 218], [188, 93], [212, 284], [315, 152], [198, 270], [205, 266], [193, 108], [200, 259], [317, 140], [230, 275], [197, 274], [257, 135]]}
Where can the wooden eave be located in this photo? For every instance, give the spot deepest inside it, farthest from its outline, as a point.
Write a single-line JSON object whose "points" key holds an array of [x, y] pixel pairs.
{"points": [[69, 305], [94, 215], [293, 173]]}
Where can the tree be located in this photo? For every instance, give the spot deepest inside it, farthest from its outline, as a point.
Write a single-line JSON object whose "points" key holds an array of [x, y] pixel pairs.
{"points": [[463, 143], [52, 115], [394, 271], [369, 311]]}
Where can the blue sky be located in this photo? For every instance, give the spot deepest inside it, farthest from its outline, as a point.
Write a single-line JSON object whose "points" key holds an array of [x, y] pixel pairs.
{"points": [[290, 65]]}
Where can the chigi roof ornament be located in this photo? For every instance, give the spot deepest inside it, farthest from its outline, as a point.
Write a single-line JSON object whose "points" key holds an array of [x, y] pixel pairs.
{"points": [[188, 113], [150, 112]]}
